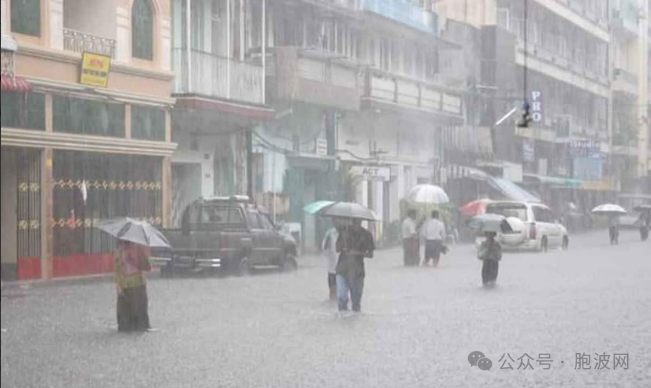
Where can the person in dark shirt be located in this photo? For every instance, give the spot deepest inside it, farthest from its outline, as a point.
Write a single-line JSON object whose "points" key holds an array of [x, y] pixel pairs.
{"points": [[354, 244]]}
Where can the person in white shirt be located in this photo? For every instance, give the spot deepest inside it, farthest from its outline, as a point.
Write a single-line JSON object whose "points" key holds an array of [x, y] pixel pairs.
{"points": [[329, 247], [410, 244], [434, 235]]}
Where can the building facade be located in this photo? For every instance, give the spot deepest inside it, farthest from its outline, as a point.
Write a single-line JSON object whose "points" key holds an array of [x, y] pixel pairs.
{"points": [[586, 81], [86, 129]]}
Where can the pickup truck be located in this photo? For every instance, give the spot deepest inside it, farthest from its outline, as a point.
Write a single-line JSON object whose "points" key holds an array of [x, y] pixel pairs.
{"points": [[228, 234]]}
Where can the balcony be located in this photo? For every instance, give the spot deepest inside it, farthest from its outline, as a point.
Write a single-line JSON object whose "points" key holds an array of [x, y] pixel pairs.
{"points": [[315, 77], [404, 13], [210, 75], [80, 42], [625, 18], [625, 82], [395, 91]]}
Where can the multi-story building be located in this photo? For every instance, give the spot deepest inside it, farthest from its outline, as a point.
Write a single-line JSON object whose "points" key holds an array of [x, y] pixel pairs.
{"points": [[630, 91], [86, 129], [565, 69], [219, 59], [357, 84]]}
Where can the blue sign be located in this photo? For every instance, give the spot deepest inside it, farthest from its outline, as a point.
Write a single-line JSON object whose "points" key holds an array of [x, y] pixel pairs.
{"points": [[404, 12]]}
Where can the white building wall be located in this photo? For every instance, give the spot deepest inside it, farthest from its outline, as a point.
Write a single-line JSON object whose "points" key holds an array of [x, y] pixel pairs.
{"points": [[202, 156]]}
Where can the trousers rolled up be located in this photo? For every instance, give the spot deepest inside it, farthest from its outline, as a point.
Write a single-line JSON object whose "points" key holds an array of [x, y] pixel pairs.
{"points": [[350, 288]]}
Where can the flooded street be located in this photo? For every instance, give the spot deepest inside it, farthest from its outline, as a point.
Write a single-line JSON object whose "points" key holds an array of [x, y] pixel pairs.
{"points": [[417, 328]]}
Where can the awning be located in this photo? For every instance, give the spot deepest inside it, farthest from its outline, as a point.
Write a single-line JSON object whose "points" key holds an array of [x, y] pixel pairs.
{"points": [[511, 190], [15, 85], [555, 181]]}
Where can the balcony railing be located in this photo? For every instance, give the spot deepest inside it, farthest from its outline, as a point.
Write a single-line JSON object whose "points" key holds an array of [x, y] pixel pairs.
{"points": [[403, 12], [213, 76], [7, 63], [626, 76], [80, 42], [625, 15], [410, 93]]}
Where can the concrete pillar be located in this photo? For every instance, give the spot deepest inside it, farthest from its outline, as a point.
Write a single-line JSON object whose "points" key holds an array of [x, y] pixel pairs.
{"points": [[123, 49], [167, 190], [165, 44], [47, 215], [5, 18], [55, 21], [643, 92]]}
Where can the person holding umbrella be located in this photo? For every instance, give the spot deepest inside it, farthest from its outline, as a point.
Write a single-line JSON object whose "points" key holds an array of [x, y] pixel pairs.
{"points": [[135, 238], [355, 243], [613, 212], [490, 253], [434, 234], [131, 262], [644, 221], [490, 250]]}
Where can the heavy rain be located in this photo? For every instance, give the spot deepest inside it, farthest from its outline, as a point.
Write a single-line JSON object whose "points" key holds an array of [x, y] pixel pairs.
{"points": [[325, 193]]}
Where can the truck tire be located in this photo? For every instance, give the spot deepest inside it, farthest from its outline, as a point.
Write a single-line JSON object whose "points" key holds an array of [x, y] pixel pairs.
{"points": [[244, 268], [288, 263]]}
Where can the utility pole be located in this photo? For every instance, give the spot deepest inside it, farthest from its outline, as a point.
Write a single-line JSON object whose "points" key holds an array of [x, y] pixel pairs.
{"points": [[249, 163]]}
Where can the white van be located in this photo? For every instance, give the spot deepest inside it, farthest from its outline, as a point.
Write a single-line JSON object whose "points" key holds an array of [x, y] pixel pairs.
{"points": [[539, 230]]}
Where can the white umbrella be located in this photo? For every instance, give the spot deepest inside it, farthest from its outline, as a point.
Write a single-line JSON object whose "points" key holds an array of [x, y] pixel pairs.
{"points": [[428, 194], [609, 208]]}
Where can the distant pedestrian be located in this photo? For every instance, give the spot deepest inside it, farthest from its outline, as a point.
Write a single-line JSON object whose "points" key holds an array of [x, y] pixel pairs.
{"points": [[434, 235], [330, 251], [410, 245], [613, 229], [490, 252], [645, 225], [131, 262], [354, 245]]}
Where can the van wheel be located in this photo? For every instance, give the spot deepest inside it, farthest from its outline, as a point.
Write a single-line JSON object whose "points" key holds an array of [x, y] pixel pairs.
{"points": [[289, 264], [566, 243], [544, 245], [244, 268]]}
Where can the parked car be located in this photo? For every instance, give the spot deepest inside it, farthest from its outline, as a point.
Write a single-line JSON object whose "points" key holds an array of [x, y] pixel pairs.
{"points": [[225, 234], [539, 230], [630, 220]]}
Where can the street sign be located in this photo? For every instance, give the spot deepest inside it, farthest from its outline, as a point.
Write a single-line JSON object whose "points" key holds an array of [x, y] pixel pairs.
{"points": [[95, 69], [585, 148], [322, 147], [536, 106], [529, 150], [382, 174]]}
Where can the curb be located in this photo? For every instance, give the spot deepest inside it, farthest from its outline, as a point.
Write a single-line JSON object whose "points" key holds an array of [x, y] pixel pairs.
{"points": [[51, 283]]}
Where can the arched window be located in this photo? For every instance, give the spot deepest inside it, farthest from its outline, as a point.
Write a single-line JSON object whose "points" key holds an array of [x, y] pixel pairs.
{"points": [[142, 30], [26, 17]]}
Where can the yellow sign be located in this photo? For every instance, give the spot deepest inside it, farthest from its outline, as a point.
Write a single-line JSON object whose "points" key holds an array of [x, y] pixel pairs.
{"points": [[95, 70]]}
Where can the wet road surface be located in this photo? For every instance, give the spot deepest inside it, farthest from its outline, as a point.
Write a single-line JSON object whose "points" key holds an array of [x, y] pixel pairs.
{"points": [[418, 327]]}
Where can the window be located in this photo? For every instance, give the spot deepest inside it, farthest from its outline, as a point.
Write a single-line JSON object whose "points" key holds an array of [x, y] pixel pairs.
{"points": [[26, 17], [23, 110], [142, 30], [266, 222], [543, 215], [99, 118], [147, 123], [508, 210], [254, 221], [214, 217]]}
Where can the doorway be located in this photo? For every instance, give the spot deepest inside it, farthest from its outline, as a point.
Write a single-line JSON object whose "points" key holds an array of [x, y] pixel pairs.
{"points": [[9, 233]]}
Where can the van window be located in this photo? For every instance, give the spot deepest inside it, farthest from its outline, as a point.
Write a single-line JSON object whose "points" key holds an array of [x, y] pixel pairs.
{"points": [[543, 215], [508, 210]]}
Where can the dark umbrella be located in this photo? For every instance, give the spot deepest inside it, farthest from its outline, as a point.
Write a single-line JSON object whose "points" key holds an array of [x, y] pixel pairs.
{"points": [[137, 232]]}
